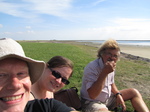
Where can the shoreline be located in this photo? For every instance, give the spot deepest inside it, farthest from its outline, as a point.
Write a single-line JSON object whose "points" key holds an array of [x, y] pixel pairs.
{"points": [[137, 51]]}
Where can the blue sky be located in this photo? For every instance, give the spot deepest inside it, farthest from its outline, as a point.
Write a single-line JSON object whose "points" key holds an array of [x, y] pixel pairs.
{"points": [[75, 19]]}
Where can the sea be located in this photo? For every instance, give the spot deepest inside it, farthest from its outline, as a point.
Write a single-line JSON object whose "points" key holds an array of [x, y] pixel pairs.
{"points": [[123, 42]]}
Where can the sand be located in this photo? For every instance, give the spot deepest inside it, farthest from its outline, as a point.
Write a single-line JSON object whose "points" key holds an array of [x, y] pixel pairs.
{"points": [[136, 50], [142, 51]]}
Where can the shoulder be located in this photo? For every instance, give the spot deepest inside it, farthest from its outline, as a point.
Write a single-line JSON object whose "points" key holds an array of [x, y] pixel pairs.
{"points": [[48, 105], [93, 65], [90, 64]]}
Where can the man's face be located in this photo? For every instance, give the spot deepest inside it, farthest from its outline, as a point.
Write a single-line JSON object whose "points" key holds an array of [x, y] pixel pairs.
{"points": [[15, 85], [110, 55]]}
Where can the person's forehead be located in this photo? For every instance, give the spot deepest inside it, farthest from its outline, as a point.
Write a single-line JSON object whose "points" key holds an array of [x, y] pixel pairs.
{"points": [[12, 60], [112, 50]]}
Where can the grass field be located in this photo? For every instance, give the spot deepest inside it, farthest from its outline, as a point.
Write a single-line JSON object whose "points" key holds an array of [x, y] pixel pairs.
{"points": [[128, 73]]}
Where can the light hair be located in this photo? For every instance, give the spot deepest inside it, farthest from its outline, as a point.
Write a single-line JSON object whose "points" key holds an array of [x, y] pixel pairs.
{"points": [[108, 44]]}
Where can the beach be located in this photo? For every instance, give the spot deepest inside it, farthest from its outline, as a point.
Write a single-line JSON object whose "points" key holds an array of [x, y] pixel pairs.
{"points": [[141, 51], [135, 50]]}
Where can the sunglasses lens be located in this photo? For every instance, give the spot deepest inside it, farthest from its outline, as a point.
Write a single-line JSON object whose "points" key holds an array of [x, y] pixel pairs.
{"points": [[57, 76], [65, 81]]}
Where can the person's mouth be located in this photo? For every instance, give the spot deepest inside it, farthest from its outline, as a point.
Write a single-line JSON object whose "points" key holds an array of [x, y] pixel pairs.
{"points": [[12, 98], [55, 85]]}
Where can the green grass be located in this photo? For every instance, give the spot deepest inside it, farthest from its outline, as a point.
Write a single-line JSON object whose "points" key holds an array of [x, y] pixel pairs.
{"points": [[44, 51], [127, 70], [134, 72]]}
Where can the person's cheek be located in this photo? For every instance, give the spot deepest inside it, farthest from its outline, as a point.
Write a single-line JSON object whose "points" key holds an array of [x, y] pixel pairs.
{"points": [[27, 84]]}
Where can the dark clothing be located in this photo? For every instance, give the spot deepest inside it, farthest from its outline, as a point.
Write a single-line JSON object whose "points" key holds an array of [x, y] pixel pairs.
{"points": [[46, 105]]}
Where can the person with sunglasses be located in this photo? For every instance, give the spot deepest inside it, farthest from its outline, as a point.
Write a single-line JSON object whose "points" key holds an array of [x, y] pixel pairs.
{"points": [[55, 76], [17, 73], [99, 92]]}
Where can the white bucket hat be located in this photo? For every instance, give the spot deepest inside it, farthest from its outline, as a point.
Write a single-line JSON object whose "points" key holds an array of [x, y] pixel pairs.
{"points": [[10, 48]]}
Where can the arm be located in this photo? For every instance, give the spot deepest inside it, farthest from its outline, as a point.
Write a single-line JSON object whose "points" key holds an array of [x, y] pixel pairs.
{"points": [[98, 85], [114, 88], [119, 100]]}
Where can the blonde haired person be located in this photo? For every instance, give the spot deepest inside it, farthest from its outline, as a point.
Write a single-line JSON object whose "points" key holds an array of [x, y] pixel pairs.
{"points": [[98, 91]]}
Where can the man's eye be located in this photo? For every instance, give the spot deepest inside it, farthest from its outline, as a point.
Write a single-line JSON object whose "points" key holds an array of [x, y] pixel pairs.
{"points": [[116, 56], [21, 74], [3, 75]]}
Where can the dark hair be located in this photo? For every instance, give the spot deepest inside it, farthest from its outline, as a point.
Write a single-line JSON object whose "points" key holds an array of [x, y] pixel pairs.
{"points": [[60, 61]]}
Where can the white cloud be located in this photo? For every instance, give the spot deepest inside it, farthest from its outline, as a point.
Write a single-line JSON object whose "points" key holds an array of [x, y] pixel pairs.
{"points": [[32, 8], [1, 25], [17, 10], [124, 28], [49, 6], [7, 33], [98, 1], [102, 33], [133, 23], [31, 31], [28, 27], [19, 32]]}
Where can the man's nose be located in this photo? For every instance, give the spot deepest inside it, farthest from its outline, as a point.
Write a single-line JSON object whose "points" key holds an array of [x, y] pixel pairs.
{"points": [[113, 58], [14, 83]]}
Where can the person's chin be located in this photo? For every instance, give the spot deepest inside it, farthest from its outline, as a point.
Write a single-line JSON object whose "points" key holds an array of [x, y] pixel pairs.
{"points": [[14, 103]]}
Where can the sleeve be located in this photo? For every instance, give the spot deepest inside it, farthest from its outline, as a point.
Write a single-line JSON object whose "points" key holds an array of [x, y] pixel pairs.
{"points": [[90, 74]]}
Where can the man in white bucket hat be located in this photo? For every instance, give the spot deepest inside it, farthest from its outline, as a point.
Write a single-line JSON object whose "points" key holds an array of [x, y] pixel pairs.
{"points": [[10, 48], [17, 73]]}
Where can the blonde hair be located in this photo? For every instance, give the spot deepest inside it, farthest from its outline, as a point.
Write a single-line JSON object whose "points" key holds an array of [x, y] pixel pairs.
{"points": [[108, 44]]}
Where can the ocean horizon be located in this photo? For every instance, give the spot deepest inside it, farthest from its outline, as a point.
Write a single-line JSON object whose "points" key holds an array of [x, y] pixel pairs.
{"points": [[123, 42]]}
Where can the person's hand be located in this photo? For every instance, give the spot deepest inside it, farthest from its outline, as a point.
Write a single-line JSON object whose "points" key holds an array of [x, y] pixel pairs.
{"points": [[120, 102], [109, 67]]}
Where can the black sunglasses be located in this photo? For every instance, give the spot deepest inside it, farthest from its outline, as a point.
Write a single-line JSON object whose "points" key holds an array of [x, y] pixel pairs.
{"points": [[57, 75]]}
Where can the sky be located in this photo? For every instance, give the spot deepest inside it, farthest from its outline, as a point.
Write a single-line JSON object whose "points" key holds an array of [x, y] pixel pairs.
{"points": [[75, 19]]}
